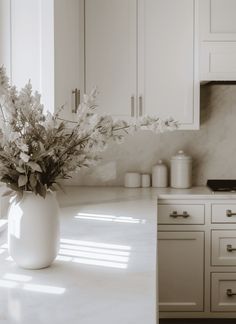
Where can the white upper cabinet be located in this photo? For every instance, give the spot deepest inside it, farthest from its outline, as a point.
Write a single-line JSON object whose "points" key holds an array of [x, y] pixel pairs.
{"points": [[141, 55], [217, 21], [167, 84], [61, 63], [110, 54], [40, 41], [68, 64]]}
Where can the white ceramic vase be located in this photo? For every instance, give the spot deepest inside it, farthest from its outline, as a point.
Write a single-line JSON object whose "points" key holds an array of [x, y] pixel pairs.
{"points": [[33, 230]]}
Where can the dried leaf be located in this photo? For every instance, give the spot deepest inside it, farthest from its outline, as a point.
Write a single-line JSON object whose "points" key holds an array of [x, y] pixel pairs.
{"points": [[42, 149], [41, 190], [22, 180], [33, 180], [34, 166], [20, 170], [25, 157]]}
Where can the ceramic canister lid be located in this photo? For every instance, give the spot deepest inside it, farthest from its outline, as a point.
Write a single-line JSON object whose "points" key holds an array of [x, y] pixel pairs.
{"points": [[181, 155]]}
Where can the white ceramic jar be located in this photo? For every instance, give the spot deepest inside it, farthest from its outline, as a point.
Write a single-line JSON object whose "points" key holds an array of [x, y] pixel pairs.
{"points": [[181, 171], [160, 175], [33, 230], [132, 180], [146, 180]]}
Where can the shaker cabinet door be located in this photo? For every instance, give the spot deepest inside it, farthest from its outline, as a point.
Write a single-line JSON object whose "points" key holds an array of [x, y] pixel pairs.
{"points": [[140, 55], [181, 269], [110, 54], [217, 20], [167, 85], [217, 25]]}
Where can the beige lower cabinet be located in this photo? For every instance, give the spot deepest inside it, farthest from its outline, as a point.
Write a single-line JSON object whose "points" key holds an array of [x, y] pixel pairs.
{"points": [[197, 256], [181, 269]]}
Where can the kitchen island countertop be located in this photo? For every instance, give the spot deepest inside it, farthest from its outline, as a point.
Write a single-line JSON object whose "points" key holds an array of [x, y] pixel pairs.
{"points": [[106, 269]]}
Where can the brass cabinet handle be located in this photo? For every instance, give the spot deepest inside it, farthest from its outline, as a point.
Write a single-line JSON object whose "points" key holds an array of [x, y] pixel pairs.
{"points": [[230, 293], [76, 92], [140, 101], [132, 106], [230, 248], [229, 213], [175, 214]]}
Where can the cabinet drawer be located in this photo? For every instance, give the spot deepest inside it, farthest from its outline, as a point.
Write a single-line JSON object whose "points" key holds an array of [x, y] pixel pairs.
{"points": [[223, 292], [223, 213], [223, 248], [180, 214]]}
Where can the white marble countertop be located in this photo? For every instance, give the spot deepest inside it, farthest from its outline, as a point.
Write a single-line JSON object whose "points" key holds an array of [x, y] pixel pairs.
{"points": [[199, 192], [106, 269], [192, 193]]}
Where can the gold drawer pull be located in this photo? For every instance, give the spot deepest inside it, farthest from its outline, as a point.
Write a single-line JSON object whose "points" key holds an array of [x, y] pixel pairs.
{"points": [[175, 214], [230, 293], [229, 213], [230, 248]]}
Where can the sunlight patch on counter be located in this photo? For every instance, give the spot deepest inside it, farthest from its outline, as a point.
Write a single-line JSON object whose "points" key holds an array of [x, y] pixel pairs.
{"points": [[94, 253], [109, 218]]}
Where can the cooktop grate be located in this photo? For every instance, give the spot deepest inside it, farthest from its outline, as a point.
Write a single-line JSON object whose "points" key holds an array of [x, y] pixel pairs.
{"points": [[222, 185]]}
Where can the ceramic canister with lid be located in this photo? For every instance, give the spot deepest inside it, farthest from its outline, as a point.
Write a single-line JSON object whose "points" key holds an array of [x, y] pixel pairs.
{"points": [[181, 171], [160, 175]]}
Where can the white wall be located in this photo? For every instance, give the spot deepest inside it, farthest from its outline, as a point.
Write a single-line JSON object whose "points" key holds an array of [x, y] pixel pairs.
{"points": [[47, 54], [26, 42], [27, 45], [5, 35]]}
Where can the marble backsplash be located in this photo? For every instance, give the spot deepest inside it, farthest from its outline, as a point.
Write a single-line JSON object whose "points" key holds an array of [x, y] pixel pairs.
{"points": [[213, 147]]}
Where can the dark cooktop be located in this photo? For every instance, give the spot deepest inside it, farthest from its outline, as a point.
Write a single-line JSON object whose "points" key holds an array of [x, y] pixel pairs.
{"points": [[222, 185]]}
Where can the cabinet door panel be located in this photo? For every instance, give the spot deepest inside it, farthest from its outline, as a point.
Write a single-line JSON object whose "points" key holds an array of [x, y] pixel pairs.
{"points": [[166, 59], [61, 68], [67, 42], [218, 61], [110, 51], [181, 268], [217, 20]]}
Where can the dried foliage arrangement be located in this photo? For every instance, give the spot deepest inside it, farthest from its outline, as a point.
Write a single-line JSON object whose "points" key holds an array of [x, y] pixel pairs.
{"points": [[37, 149]]}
